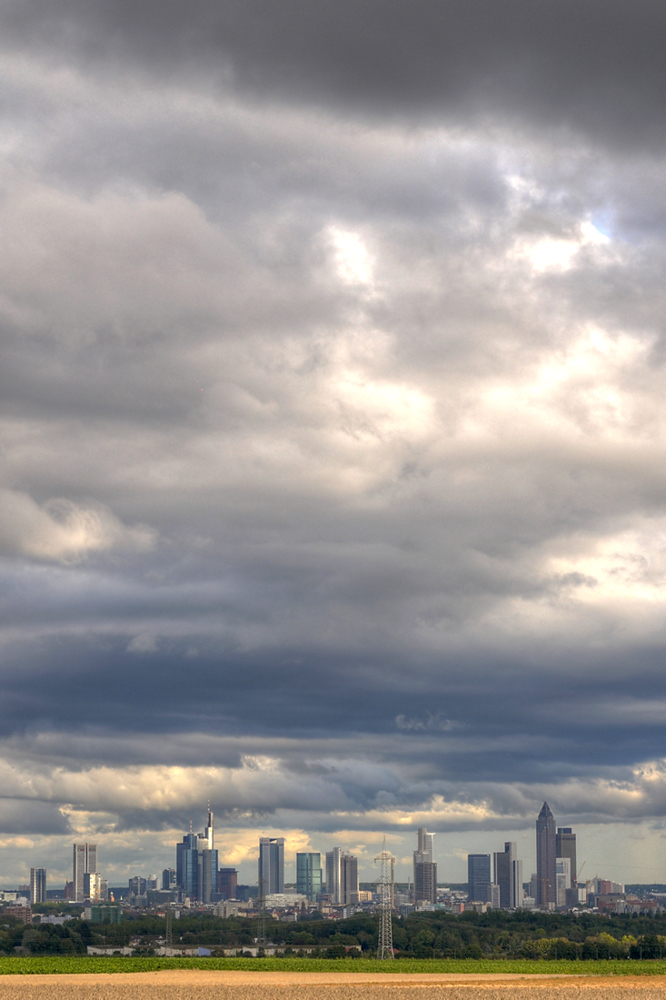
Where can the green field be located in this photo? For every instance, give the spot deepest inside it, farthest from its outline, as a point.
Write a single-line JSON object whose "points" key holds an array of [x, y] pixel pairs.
{"points": [[19, 965]]}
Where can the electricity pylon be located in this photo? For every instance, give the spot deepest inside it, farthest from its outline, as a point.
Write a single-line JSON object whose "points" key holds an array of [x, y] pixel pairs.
{"points": [[168, 938], [261, 923], [385, 890]]}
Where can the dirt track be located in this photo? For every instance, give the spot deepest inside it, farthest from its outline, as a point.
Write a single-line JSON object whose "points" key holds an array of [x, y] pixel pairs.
{"points": [[192, 984]]}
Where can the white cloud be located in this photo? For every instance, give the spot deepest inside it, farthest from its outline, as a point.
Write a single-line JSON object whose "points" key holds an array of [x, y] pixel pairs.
{"points": [[353, 261], [63, 531], [143, 643]]}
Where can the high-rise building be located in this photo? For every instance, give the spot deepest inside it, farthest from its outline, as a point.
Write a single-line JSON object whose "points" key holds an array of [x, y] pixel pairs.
{"points": [[187, 866], [206, 862], [478, 877], [227, 882], [341, 877], [137, 888], [169, 879], [565, 847], [546, 898], [348, 879], [509, 877], [425, 869], [333, 874], [425, 843], [84, 862], [196, 863], [95, 888], [207, 875], [38, 885], [209, 833], [503, 867], [271, 865], [91, 858], [563, 880], [79, 870], [309, 875], [425, 882], [518, 891]]}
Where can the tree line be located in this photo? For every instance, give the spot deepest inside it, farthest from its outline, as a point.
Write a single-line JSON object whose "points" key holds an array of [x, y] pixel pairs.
{"points": [[495, 934]]}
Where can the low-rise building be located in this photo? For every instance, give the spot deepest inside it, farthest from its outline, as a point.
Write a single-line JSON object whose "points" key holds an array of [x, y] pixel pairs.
{"points": [[101, 914]]}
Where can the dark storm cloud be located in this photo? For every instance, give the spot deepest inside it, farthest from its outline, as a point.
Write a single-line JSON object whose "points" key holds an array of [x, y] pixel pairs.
{"points": [[23, 816], [277, 695], [595, 65], [331, 449]]}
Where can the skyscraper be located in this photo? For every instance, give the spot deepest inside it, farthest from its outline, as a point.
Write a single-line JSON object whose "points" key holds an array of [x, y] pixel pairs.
{"points": [[84, 861], [38, 885], [518, 894], [425, 843], [546, 866], [565, 847], [187, 866], [333, 874], [196, 863], [91, 858], [206, 874], [137, 888], [169, 879], [478, 877], [563, 877], [509, 877], [425, 882], [271, 865], [95, 888], [208, 835], [504, 875], [308, 875], [425, 869], [227, 882], [342, 877], [206, 862], [348, 879]]}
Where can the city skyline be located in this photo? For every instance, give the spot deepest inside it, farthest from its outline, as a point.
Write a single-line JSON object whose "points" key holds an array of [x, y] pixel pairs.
{"points": [[332, 430], [497, 877]]}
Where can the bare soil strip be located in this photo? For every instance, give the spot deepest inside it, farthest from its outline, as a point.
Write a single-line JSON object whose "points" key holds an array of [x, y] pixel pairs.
{"points": [[196, 984]]}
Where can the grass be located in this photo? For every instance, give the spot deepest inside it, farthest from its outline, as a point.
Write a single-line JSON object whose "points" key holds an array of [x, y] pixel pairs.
{"points": [[63, 964]]}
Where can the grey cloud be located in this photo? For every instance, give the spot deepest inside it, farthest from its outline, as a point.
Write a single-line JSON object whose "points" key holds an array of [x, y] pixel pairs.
{"points": [[22, 816], [360, 381], [594, 65]]}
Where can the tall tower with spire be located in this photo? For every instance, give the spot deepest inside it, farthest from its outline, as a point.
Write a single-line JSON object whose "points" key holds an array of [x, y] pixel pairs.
{"points": [[546, 859], [196, 863], [209, 832]]}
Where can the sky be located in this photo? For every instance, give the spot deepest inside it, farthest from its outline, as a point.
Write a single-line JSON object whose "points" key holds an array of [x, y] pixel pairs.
{"points": [[332, 429]]}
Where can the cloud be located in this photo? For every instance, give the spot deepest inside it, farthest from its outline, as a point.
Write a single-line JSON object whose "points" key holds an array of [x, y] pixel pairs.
{"points": [[62, 531], [358, 311], [594, 65], [143, 643]]}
